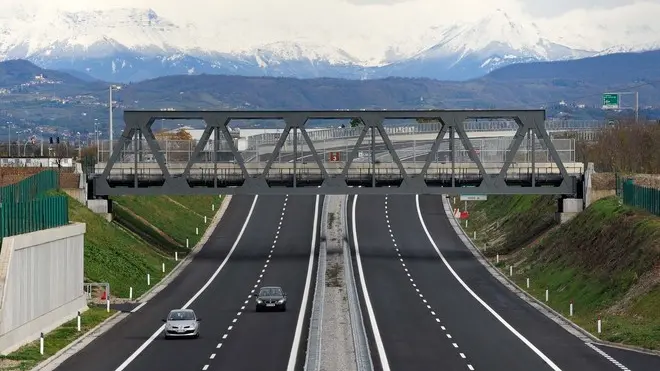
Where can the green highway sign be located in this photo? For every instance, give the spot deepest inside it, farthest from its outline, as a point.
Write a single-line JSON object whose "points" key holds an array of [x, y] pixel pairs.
{"points": [[610, 101]]}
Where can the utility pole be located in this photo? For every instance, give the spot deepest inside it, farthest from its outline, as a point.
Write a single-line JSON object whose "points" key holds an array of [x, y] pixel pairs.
{"points": [[117, 87], [110, 108]]}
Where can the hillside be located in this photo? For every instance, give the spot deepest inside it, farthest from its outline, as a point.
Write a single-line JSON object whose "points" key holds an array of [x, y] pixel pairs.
{"points": [[123, 254], [606, 260], [61, 100]]}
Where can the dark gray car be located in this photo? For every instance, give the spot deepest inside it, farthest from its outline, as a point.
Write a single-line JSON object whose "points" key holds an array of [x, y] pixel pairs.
{"points": [[271, 297]]}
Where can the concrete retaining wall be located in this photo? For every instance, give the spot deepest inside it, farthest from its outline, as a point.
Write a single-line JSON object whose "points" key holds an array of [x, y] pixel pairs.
{"points": [[41, 283], [78, 194]]}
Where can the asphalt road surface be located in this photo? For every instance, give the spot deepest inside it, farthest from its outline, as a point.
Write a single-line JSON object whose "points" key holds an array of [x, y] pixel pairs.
{"points": [[426, 314], [221, 279]]}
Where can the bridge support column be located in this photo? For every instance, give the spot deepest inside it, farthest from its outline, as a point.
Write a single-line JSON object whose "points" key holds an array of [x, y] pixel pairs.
{"points": [[568, 208]]}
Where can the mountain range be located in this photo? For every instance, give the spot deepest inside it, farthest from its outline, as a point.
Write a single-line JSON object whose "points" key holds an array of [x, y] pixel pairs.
{"points": [[130, 45], [33, 98]]}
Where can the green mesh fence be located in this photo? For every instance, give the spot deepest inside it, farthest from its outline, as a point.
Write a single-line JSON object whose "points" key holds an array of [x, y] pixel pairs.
{"points": [[638, 196], [27, 207]]}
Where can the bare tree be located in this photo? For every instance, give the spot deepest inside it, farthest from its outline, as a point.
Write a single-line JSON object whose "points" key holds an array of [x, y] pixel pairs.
{"points": [[626, 147]]}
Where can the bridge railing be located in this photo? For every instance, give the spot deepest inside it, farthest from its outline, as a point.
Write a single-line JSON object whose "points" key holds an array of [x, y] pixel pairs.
{"points": [[489, 150], [180, 150], [431, 127]]}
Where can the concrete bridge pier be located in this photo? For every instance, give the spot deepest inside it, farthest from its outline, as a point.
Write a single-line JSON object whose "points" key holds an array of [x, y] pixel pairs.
{"points": [[568, 207]]}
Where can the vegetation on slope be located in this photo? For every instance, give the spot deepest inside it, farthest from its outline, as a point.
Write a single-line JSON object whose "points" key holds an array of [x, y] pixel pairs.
{"points": [[114, 255], [606, 260], [28, 356], [122, 253], [175, 216], [624, 148]]}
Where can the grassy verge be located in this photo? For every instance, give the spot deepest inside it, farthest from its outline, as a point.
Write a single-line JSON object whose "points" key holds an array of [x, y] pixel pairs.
{"points": [[116, 256], [122, 257], [28, 356], [606, 261], [176, 216]]}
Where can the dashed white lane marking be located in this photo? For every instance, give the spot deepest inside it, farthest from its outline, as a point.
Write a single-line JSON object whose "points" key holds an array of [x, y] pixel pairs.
{"points": [[467, 288], [208, 283], [608, 357], [206, 367], [263, 271], [421, 296]]}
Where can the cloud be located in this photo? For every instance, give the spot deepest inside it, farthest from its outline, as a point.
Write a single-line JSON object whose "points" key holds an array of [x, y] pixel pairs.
{"points": [[368, 28]]}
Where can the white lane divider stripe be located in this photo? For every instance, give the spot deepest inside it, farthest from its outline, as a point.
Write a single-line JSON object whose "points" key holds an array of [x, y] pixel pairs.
{"points": [[531, 346], [230, 328], [144, 345], [370, 310], [301, 314], [421, 296]]}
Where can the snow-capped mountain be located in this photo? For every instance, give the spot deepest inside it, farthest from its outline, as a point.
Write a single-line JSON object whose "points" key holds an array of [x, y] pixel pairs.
{"points": [[137, 44], [469, 50]]}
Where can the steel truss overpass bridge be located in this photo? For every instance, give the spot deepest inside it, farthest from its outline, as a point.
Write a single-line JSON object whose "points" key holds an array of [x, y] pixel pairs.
{"points": [[443, 158]]}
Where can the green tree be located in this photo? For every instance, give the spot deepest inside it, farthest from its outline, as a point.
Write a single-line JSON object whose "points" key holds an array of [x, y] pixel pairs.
{"points": [[356, 122]]}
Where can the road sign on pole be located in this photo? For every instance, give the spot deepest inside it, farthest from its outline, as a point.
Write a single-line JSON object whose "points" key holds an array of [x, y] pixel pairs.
{"points": [[474, 197], [611, 101]]}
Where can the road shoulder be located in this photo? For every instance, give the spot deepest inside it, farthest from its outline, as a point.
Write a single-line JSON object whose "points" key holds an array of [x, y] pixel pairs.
{"points": [[81, 342]]}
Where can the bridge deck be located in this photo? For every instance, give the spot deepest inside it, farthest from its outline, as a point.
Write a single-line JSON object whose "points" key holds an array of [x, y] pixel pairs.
{"points": [[437, 166], [125, 180]]}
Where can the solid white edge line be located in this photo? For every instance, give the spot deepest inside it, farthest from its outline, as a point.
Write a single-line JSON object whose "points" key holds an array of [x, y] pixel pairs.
{"points": [[293, 356], [138, 307], [477, 298], [144, 346], [370, 310]]}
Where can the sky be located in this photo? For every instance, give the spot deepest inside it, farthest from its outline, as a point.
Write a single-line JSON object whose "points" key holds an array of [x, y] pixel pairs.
{"points": [[368, 27], [535, 8]]}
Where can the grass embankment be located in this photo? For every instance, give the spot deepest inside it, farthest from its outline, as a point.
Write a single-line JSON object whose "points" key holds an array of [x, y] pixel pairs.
{"points": [[175, 216], [122, 253], [28, 356], [606, 260]]}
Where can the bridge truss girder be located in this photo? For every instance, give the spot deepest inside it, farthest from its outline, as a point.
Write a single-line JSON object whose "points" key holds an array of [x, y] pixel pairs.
{"points": [[139, 123]]}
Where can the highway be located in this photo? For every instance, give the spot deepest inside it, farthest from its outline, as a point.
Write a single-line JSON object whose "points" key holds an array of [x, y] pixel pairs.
{"points": [[259, 241], [421, 312]]}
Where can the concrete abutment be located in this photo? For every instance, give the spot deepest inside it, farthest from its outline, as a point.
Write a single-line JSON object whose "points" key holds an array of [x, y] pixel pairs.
{"points": [[41, 283]]}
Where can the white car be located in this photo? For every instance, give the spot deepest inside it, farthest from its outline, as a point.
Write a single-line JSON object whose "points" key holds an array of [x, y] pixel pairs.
{"points": [[181, 323]]}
